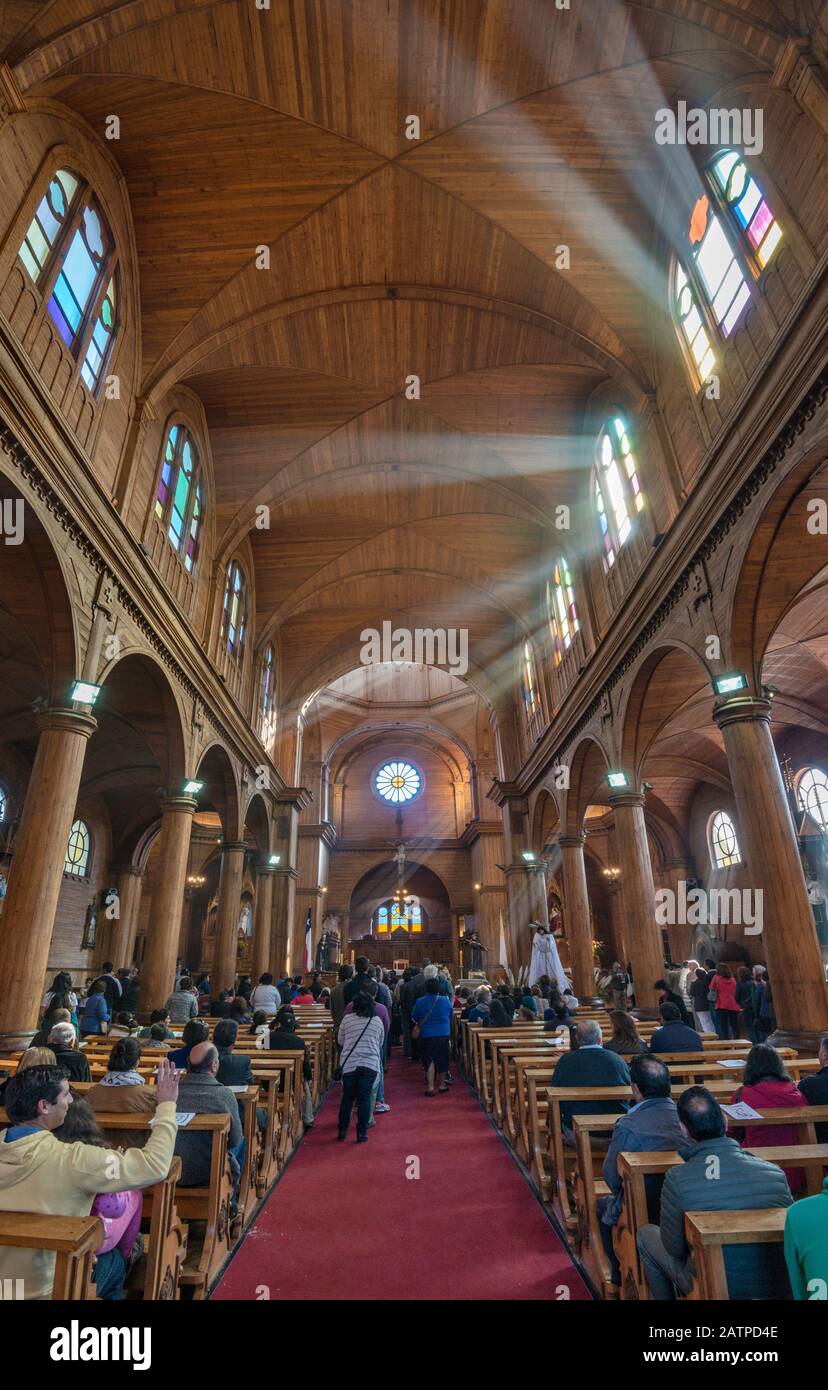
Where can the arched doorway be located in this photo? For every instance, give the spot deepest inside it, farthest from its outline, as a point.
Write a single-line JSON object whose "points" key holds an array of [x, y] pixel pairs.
{"points": [[416, 924]]}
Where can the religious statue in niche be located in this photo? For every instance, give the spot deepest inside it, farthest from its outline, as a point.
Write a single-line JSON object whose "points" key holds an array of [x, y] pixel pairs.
{"points": [[90, 927], [473, 952], [245, 923], [329, 945]]}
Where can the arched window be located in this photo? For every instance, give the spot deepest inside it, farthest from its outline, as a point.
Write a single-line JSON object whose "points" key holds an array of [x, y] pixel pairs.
{"points": [[560, 608], [529, 688], [3, 803], [77, 850], [691, 322], [812, 795], [69, 253], [267, 699], [234, 611], [616, 488], [382, 919], [724, 847], [179, 501], [741, 195]]}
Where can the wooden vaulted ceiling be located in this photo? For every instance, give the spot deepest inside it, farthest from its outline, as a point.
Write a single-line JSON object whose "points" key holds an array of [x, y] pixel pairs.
{"points": [[286, 128]]}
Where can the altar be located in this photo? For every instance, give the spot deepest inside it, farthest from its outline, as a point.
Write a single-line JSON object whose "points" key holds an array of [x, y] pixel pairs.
{"points": [[415, 947]]}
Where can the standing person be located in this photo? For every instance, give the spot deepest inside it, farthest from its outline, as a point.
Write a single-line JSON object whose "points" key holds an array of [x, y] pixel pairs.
{"points": [[545, 958], [96, 1013], [744, 998], [354, 985], [669, 996], [723, 989], [432, 1014], [361, 1038], [699, 988], [61, 985], [114, 989], [379, 1105], [182, 1005], [338, 1000], [413, 987], [619, 982]]}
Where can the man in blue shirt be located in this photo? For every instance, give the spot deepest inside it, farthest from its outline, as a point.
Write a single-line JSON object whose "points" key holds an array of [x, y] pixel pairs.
{"points": [[674, 1036]]}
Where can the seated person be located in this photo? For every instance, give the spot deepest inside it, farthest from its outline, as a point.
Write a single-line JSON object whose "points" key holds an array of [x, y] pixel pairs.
{"points": [[123, 1090], [806, 1245], [62, 1042], [39, 1174], [220, 1008], [32, 1057], [504, 994], [158, 1016], [650, 1126], [57, 1013], [743, 1183], [157, 1038], [766, 1085], [590, 1065], [201, 1092], [303, 996], [234, 1068], [194, 1032], [815, 1089], [96, 1012], [266, 995], [673, 1035], [283, 1037], [260, 1024], [480, 1011], [120, 1212], [625, 1039], [125, 1026]]}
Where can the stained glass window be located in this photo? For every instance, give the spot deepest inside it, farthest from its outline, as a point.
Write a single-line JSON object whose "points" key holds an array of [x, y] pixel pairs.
{"points": [[719, 272], [267, 697], [747, 204], [234, 611], [77, 850], [3, 804], [399, 916], [724, 847], [48, 222], [528, 688], [382, 919], [178, 502], [561, 610], [398, 781], [690, 320], [80, 278], [812, 794], [616, 488]]}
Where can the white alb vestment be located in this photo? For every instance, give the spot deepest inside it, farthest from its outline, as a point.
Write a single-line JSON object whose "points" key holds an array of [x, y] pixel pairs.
{"points": [[546, 961]]}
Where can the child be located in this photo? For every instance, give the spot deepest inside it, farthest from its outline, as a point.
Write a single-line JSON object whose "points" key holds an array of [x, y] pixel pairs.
{"points": [[120, 1212]]}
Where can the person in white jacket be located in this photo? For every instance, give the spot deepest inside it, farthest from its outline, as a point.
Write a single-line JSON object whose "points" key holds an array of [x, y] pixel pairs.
{"points": [[266, 996], [40, 1174]]}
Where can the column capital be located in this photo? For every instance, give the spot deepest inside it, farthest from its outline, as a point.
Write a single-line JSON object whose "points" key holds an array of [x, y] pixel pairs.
{"points": [[749, 709], [184, 805], [295, 798], [265, 870], [132, 869], [572, 841], [232, 846], [64, 718], [507, 794], [626, 798]]}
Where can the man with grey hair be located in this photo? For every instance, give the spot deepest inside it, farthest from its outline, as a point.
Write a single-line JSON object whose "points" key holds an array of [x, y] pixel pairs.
{"points": [[589, 1064], [202, 1094], [62, 1043]]}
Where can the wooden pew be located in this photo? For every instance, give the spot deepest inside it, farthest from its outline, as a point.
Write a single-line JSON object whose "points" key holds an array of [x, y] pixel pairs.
{"points": [[708, 1232], [74, 1239]]}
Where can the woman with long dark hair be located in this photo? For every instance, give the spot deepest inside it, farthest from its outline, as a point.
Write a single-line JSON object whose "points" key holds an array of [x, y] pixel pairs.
{"points": [[766, 1085]]}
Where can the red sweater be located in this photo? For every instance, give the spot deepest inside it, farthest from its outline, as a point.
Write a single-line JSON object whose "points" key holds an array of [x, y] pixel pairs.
{"points": [[774, 1095], [726, 991]]}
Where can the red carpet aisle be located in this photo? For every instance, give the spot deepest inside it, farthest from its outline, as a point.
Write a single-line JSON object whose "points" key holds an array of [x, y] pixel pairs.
{"points": [[346, 1223]]}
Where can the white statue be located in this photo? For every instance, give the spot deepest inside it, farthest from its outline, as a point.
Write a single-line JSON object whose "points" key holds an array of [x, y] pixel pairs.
{"points": [[545, 958]]}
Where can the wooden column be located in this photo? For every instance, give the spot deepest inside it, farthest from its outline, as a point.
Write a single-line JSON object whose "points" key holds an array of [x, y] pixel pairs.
{"points": [[223, 972], [118, 939], [638, 896], [485, 841], [262, 957], [526, 899], [680, 933], [164, 929], [36, 872], [578, 924], [788, 941], [283, 895]]}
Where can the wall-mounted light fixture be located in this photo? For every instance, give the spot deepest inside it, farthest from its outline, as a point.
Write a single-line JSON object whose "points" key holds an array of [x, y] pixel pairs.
{"points": [[618, 779], [730, 682], [85, 693]]}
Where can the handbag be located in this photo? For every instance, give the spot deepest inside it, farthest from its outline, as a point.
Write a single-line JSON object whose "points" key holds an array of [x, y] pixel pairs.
{"points": [[417, 1028], [337, 1076]]}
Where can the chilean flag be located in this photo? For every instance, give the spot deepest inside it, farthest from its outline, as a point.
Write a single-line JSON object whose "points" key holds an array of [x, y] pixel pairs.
{"points": [[307, 957]]}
